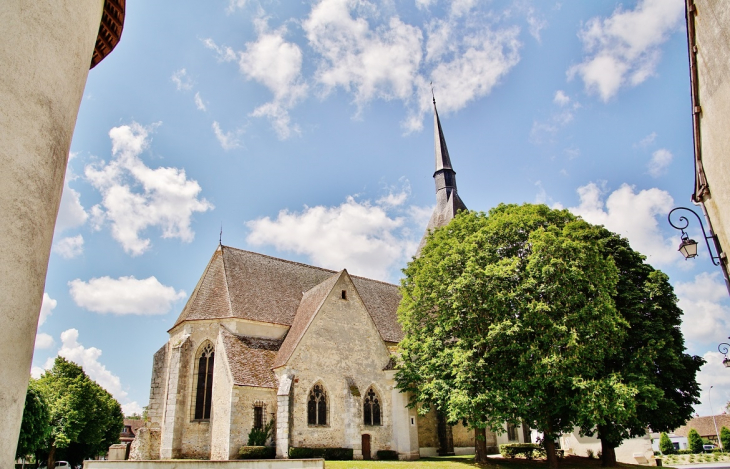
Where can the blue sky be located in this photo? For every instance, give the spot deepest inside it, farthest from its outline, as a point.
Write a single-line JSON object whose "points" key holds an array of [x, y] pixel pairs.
{"points": [[305, 129]]}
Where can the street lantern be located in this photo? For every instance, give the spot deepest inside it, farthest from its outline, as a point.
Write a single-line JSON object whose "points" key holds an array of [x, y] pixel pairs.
{"points": [[723, 349], [688, 247]]}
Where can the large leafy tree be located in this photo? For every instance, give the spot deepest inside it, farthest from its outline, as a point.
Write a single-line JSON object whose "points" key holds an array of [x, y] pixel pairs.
{"points": [[85, 418], [35, 428], [651, 358], [510, 316]]}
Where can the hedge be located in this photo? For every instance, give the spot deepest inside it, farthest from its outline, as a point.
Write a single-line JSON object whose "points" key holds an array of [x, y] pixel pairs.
{"points": [[528, 450], [330, 454], [257, 452], [387, 455]]}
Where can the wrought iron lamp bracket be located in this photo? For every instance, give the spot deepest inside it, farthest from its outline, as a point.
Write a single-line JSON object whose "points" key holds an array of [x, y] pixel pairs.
{"points": [[683, 223]]}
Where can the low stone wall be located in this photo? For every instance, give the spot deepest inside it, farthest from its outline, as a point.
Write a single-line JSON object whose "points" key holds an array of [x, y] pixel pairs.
{"points": [[198, 464]]}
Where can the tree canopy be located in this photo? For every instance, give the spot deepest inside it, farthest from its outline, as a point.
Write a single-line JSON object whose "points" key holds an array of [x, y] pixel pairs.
{"points": [[532, 314], [85, 418], [35, 427]]}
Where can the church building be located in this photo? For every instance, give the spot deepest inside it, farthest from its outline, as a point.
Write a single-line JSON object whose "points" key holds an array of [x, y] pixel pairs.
{"points": [[264, 340]]}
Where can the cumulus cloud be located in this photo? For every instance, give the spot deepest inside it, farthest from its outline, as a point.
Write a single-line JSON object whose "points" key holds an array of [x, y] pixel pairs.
{"points": [[43, 341], [544, 131], [47, 307], [633, 215], [71, 213], [367, 239], [88, 359], [535, 24], [561, 99], [69, 247], [131, 408], [276, 64], [182, 80], [659, 162], [124, 295], [646, 141], [714, 374], [624, 49], [706, 311], [136, 197]]}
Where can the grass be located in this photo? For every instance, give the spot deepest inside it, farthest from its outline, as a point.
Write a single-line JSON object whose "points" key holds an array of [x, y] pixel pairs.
{"points": [[467, 462], [696, 458]]}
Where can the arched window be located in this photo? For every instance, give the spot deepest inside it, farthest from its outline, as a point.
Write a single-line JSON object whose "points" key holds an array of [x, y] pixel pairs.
{"points": [[204, 387], [371, 408], [317, 406]]}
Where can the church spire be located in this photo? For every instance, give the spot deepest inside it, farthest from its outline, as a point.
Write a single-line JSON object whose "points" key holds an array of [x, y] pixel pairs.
{"points": [[448, 202]]}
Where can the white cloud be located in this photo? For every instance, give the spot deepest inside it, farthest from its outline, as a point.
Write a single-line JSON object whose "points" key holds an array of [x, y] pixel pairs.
{"points": [[69, 247], [136, 197], [365, 239], [381, 63], [424, 4], [535, 24], [660, 160], [561, 99], [125, 295], [71, 213], [131, 408], [47, 307], [233, 5], [635, 216], [228, 140], [88, 359], [276, 64], [43, 341], [199, 103], [181, 80], [714, 374], [706, 312], [646, 141], [624, 49]]}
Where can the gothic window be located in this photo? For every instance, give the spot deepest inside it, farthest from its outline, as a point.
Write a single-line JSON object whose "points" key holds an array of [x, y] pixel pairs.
{"points": [[317, 406], [371, 408], [511, 432], [204, 386]]}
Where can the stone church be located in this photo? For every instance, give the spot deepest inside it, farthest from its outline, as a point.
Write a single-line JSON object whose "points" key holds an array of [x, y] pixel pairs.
{"points": [[264, 340]]}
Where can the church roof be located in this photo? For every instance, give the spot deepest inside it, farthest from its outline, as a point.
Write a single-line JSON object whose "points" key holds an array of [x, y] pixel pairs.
{"points": [[443, 161], [310, 304], [250, 359], [247, 285]]}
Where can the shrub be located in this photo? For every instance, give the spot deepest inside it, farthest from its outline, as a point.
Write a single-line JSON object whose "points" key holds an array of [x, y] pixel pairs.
{"points": [[257, 452], [528, 450], [694, 441], [330, 454], [683, 451], [725, 438], [258, 436], [590, 454], [387, 455], [665, 444]]}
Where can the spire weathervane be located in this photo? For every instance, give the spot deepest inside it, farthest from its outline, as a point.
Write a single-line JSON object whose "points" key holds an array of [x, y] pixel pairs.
{"points": [[433, 95], [220, 237]]}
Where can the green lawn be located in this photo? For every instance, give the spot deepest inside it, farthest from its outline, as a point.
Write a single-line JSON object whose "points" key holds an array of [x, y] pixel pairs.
{"points": [[466, 462]]}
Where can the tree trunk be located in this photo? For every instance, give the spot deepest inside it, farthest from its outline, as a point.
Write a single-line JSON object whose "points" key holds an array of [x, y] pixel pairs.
{"points": [[52, 456], [480, 441], [608, 454], [552, 457]]}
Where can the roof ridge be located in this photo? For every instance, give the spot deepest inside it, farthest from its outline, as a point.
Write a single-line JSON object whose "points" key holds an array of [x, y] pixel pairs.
{"points": [[225, 279], [307, 265], [194, 294]]}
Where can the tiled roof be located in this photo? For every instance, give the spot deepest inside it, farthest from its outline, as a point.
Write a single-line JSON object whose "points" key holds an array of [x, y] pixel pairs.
{"points": [[248, 285], [308, 307], [704, 425], [250, 359]]}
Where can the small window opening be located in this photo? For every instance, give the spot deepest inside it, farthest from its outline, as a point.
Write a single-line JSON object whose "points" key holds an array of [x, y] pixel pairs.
{"points": [[258, 417], [413, 421], [344, 294]]}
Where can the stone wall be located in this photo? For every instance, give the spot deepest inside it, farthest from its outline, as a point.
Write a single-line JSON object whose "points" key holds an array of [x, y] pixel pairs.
{"points": [[243, 400], [341, 343], [183, 464], [221, 405], [146, 445], [158, 383]]}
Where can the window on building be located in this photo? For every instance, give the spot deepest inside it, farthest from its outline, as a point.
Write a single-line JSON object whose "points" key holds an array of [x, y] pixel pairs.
{"points": [[512, 432], [317, 406], [371, 408], [258, 417], [204, 386], [344, 294]]}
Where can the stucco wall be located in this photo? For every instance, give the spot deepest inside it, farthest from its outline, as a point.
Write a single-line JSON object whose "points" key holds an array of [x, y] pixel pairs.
{"points": [[627, 453], [341, 342], [220, 427], [713, 67], [45, 53]]}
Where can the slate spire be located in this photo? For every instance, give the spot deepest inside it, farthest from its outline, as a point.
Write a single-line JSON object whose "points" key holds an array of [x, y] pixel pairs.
{"points": [[448, 202]]}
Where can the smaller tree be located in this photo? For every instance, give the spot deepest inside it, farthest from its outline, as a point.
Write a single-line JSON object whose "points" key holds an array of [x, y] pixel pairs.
{"points": [[725, 438], [35, 427], [665, 444], [694, 441]]}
